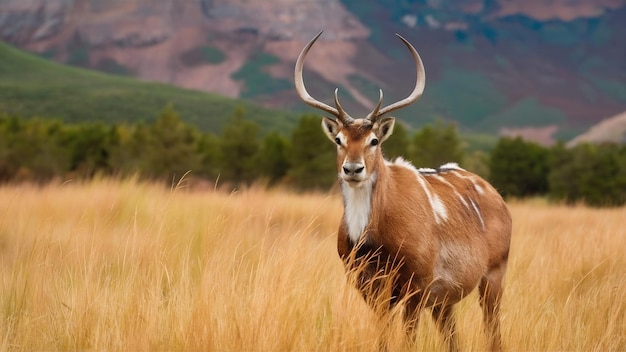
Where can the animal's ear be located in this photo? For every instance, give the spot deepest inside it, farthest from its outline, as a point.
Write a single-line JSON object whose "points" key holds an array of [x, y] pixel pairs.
{"points": [[331, 128], [384, 128]]}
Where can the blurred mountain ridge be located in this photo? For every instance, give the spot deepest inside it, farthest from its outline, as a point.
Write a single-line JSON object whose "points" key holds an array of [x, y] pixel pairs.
{"points": [[496, 66]]}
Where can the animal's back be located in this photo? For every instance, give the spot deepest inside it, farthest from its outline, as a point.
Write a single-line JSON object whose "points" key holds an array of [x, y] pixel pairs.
{"points": [[460, 228]]}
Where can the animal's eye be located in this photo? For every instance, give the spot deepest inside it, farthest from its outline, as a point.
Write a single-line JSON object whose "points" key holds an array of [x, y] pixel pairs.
{"points": [[338, 141], [374, 141]]}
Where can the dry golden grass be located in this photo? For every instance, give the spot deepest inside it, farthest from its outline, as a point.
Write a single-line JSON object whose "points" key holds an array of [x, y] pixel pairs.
{"points": [[124, 265]]}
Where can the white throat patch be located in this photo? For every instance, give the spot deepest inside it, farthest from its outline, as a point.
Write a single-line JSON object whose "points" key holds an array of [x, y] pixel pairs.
{"points": [[357, 206]]}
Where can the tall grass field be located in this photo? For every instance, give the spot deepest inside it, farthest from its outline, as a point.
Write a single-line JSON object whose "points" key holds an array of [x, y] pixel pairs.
{"points": [[123, 265]]}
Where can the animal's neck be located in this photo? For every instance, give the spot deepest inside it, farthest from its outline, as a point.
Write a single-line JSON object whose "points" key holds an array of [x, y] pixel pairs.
{"points": [[357, 203]]}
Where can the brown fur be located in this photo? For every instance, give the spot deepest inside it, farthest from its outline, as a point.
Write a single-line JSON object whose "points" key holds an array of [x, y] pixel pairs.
{"points": [[428, 238], [434, 264]]}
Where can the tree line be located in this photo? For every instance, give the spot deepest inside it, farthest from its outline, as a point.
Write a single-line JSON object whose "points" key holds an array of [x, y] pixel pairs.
{"points": [[590, 173], [166, 149]]}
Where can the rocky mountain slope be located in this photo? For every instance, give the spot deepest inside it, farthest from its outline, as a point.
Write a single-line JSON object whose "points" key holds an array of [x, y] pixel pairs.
{"points": [[612, 130], [542, 68]]}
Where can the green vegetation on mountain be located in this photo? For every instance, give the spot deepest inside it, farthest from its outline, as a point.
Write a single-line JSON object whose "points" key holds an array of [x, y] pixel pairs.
{"points": [[257, 81], [527, 111], [32, 86], [489, 72], [466, 96]]}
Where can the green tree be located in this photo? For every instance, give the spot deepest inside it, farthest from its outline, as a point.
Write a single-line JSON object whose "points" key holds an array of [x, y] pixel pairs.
{"points": [[171, 147], [595, 174], [398, 144], [519, 168], [32, 150], [209, 149], [128, 148], [312, 156], [11, 129], [238, 149], [436, 145], [89, 146], [562, 179], [477, 162], [273, 157]]}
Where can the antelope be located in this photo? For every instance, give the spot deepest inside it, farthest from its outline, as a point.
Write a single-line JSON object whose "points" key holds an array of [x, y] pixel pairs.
{"points": [[439, 233]]}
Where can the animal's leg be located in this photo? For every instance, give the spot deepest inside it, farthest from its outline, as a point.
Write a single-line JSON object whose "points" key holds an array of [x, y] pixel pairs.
{"points": [[444, 318], [490, 290]]}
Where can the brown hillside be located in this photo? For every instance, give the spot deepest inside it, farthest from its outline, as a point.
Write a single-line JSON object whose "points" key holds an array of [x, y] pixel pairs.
{"points": [[498, 41], [612, 129]]}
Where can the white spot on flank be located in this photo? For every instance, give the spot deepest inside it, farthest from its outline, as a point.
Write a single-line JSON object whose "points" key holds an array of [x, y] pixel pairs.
{"points": [[439, 209], [480, 216], [478, 188], [462, 199], [456, 193], [445, 271], [357, 205]]}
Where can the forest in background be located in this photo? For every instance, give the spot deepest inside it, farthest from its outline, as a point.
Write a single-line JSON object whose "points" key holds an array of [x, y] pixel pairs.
{"points": [[169, 149]]}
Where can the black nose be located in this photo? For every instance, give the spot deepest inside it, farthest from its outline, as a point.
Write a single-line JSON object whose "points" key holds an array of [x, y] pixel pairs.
{"points": [[353, 168]]}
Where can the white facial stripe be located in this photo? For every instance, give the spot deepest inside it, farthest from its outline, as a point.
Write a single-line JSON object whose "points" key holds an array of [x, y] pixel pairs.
{"points": [[369, 138], [342, 138], [360, 160]]}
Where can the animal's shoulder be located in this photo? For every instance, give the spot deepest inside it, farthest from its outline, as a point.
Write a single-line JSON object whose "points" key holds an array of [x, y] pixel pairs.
{"points": [[449, 175], [401, 164]]}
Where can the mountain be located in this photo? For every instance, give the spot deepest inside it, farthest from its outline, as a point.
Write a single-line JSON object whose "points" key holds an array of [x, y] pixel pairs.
{"points": [[549, 68], [31, 86], [611, 130]]}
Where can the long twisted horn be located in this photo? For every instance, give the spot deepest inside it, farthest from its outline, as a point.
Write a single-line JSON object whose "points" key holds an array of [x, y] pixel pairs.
{"points": [[306, 97], [413, 97], [372, 116]]}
